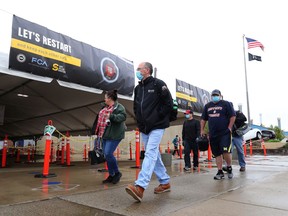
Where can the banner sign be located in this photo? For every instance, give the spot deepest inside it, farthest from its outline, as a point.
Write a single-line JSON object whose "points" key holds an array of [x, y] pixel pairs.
{"points": [[191, 97], [40, 51]]}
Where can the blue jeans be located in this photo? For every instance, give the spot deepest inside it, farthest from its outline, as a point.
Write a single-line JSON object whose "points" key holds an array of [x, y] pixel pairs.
{"points": [[152, 161], [237, 142], [109, 146]]}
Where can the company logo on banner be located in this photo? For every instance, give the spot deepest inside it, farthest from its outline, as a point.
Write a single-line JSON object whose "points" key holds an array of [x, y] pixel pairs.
{"points": [[191, 97], [40, 51]]}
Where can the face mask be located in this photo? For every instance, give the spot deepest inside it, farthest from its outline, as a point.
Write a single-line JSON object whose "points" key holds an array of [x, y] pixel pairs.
{"points": [[215, 99], [139, 75], [187, 116]]}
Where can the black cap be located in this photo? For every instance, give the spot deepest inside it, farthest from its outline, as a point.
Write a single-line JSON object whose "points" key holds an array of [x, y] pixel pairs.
{"points": [[216, 92]]}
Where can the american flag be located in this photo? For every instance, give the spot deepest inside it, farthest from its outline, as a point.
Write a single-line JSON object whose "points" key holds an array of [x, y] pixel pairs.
{"points": [[254, 43]]}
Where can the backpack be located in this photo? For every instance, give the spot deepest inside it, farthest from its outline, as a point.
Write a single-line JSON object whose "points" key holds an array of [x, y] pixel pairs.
{"points": [[174, 110], [240, 119], [240, 127]]}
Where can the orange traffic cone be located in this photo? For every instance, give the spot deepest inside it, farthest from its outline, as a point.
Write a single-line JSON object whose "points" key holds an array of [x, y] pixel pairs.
{"points": [[263, 146]]}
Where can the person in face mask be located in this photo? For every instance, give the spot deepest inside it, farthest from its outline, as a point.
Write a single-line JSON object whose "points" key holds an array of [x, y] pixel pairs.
{"points": [[139, 75], [152, 107], [190, 132], [221, 116]]}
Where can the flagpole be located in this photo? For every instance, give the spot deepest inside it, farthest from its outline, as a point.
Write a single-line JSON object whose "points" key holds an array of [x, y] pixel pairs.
{"points": [[247, 96]]}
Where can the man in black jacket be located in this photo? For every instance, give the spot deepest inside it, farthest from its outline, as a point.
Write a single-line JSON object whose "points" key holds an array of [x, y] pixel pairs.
{"points": [[152, 106], [190, 132]]}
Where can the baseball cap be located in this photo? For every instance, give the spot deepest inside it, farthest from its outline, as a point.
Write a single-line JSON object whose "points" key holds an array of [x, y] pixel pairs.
{"points": [[188, 112], [216, 92]]}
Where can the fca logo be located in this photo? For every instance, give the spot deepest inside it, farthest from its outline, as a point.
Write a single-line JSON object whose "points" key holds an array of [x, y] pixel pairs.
{"points": [[39, 61]]}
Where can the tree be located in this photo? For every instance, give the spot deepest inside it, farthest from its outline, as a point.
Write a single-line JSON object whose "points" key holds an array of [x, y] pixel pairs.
{"points": [[278, 132]]}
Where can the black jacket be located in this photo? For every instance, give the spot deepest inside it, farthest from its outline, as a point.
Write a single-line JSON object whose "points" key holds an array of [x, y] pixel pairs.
{"points": [[191, 130], [152, 105]]}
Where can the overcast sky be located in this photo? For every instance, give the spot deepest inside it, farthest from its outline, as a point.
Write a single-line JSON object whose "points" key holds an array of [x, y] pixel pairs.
{"points": [[199, 42]]}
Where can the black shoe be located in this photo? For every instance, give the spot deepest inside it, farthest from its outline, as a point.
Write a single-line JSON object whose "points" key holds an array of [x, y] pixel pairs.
{"points": [[230, 173], [116, 177], [219, 175], [108, 180], [224, 169]]}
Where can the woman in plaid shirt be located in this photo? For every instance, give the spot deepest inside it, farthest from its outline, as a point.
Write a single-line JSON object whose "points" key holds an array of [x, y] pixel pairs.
{"points": [[111, 129]]}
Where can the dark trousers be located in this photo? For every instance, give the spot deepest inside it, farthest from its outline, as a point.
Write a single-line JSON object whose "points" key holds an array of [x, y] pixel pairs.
{"points": [[187, 150], [176, 151]]}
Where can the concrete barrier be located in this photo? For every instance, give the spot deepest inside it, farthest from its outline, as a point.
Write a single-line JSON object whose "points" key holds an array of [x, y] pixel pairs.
{"points": [[167, 159]]}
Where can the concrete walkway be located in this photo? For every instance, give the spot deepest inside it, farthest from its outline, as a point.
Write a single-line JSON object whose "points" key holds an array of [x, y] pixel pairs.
{"points": [[78, 190]]}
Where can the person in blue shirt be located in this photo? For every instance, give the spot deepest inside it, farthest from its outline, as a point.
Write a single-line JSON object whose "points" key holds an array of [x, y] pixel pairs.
{"points": [[221, 116], [176, 143], [237, 140]]}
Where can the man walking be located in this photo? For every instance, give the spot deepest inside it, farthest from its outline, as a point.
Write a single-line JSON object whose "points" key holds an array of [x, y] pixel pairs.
{"points": [[221, 116], [152, 106], [237, 140], [190, 132]]}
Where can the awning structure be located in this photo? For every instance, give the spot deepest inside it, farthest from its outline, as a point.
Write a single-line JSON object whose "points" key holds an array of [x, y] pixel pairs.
{"points": [[45, 75], [70, 107], [33, 90], [29, 101]]}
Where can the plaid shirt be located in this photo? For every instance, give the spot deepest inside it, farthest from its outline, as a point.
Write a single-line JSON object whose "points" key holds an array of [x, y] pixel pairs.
{"points": [[104, 114]]}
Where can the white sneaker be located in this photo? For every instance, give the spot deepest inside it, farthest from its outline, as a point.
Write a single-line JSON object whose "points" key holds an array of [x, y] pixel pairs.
{"points": [[230, 173], [187, 169]]}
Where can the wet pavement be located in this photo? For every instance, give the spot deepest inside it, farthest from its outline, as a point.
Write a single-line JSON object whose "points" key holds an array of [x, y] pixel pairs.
{"points": [[78, 190]]}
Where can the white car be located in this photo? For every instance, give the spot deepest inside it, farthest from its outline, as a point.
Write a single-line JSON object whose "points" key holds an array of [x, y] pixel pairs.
{"points": [[253, 134]]}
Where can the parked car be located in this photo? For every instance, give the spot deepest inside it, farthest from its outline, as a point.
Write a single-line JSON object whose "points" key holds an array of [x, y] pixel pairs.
{"points": [[253, 134], [270, 134]]}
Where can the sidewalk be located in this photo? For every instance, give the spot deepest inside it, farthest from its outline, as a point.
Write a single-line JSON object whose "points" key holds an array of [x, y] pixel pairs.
{"points": [[78, 190]]}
